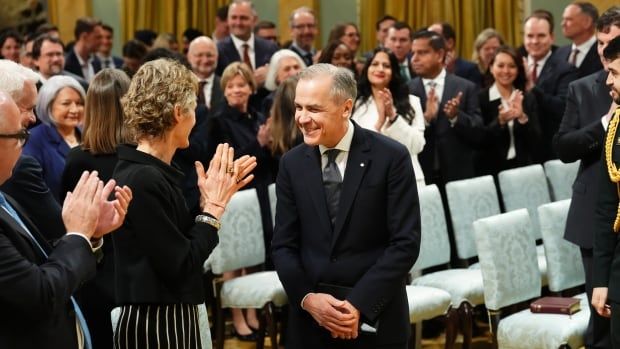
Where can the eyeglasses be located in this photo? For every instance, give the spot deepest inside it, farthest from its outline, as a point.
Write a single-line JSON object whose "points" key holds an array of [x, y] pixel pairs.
{"points": [[21, 136], [306, 26]]}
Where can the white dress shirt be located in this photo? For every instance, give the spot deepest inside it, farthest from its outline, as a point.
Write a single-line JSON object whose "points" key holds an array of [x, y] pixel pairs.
{"points": [[251, 52], [207, 89], [440, 83], [539, 64], [87, 66], [344, 146], [495, 95], [583, 50]]}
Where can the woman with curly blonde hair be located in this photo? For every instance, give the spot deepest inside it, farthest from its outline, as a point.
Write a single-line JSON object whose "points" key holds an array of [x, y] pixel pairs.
{"points": [[160, 249]]}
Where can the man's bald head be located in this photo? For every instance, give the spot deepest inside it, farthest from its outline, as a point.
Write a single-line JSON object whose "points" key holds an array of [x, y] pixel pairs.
{"points": [[10, 125], [202, 56]]}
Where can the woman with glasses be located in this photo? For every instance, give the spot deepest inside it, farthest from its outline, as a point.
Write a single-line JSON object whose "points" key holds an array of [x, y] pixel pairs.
{"points": [[60, 108]]}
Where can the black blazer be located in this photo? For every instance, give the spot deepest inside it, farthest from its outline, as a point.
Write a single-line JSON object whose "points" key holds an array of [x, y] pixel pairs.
{"points": [[580, 137], [307, 59], [227, 53], [591, 63], [606, 263], [96, 297], [374, 243], [159, 250], [454, 145], [72, 64], [34, 291], [28, 187], [491, 157], [550, 91], [468, 70]]}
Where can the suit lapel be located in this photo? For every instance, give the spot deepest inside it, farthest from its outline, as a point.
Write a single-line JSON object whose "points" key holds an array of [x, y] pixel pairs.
{"points": [[418, 90], [4, 216], [449, 91], [314, 183], [357, 163]]}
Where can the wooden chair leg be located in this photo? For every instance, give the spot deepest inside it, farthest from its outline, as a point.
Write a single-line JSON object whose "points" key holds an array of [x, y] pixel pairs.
{"points": [[412, 339], [467, 323], [262, 324], [220, 321], [272, 324], [494, 316], [452, 325]]}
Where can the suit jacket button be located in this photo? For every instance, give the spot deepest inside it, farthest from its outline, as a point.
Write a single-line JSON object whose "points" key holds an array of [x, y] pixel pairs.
{"points": [[334, 259]]}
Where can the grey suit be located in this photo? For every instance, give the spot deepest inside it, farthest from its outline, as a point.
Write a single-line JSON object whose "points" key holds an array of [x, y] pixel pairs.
{"points": [[581, 137]]}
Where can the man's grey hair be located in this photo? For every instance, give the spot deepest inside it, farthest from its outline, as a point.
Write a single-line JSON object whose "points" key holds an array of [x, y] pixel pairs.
{"points": [[13, 76], [241, 2], [48, 93], [343, 82], [303, 9]]}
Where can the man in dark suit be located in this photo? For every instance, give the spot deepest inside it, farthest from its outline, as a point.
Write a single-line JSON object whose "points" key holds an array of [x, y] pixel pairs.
{"points": [[347, 223], [242, 45], [455, 64], [36, 281], [581, 137], [548, 77], [81, 60], [399, 41], [382, 26], [451, 113], [48, 57], [578, 25], [104, 52], [606, 274], [303, 32], [202, 56]]}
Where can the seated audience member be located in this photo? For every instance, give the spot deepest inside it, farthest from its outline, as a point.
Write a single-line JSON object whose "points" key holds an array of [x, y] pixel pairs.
{"points": [[133, 56], [510, 115], [283, 64], [10, 45], [61, 109], [246, 130], [338, 54], [384, 105], [161, 247], [485, 45], [167, 41], [103, 131], [268, 31], [38, 280], [284, 131], [455, 64]]}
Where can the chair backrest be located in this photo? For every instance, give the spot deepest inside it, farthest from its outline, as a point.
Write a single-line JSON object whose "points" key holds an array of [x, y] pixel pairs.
{"points": [[564, 267], [525, 187], [508, 259], [435, 246], [470, 199], [561, 177], [271, 189], [241, 235]]}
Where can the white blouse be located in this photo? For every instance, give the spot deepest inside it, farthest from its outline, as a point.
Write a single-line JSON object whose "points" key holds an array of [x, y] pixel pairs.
{"points": [[411, 136]]}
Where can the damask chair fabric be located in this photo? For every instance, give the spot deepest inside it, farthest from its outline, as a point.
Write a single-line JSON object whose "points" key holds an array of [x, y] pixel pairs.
{"points": [[435, 246], [508, 261], [561, 177], [426, 303], [469, 200], [564, 267], [463, 285]]}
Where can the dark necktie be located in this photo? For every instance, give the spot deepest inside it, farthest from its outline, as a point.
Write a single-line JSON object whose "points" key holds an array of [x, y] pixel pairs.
{"points": [[308, 59], [201, 92], [105, 63], [534, 72], [81, 320], [572, 59], [246, 55], [332, 181]]}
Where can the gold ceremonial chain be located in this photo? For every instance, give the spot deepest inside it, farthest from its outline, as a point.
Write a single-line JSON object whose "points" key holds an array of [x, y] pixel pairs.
{"points": [[614, 174]]}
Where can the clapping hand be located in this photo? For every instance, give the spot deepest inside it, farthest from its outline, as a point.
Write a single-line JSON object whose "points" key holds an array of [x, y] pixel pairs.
{"points": [[82, 206], [113, 212], [385, 108], [451, 108]]}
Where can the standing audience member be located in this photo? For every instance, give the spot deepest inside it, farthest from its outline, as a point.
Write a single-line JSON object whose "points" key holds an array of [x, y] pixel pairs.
{"points": [[284, 64], [61, 110], [347, 223], [81, 59], [451, 113], [202, 56], [25, 54], [133, 56], [548, 77], [384, 105], [349, 35], [238, 124], [512, 132], [579, 25], [103, 131], [268, 31], [242, 45], [189, 35], [485, 45], [302, 23], [606, 293], [48, 57], [221, 30], [145, 36], [455, 64], [581, 137], [338, 54], [284, 131], [104, 53], [10, 45], [381, 29], [38, 280], [161, 247], [399, 41], [167, 41]]}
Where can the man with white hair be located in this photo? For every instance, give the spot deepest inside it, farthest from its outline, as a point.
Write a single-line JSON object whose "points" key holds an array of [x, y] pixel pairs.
{"points": [[202, 56]]}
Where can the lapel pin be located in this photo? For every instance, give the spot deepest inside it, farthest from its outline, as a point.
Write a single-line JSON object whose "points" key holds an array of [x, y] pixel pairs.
{"points": [[362, 164]]}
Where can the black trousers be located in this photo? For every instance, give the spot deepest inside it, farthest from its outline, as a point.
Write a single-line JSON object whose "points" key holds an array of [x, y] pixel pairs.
{"points": [[615, 325], [597, 333]]}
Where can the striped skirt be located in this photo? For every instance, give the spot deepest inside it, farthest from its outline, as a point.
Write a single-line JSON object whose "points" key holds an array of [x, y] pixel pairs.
{"points": [[173, 326]]}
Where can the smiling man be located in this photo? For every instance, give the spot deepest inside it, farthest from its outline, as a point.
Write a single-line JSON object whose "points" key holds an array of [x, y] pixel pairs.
{"points": [[347, 223]]}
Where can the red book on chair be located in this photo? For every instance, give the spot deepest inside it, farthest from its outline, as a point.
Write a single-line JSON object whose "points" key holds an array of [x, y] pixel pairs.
{"points": [[556, 305]]}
